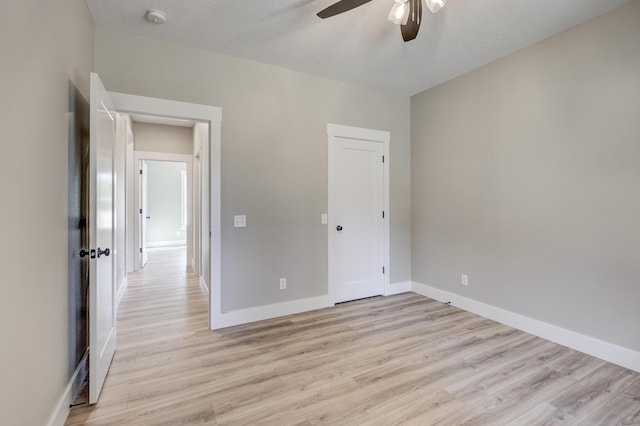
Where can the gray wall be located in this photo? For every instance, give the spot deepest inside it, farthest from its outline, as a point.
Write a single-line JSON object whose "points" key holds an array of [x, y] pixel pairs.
{"points": [[151, 137], [274, 157], [164, 202], [44, 44], [526, 176]]}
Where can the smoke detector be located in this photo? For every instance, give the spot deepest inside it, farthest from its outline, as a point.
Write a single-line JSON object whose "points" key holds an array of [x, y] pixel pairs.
{"points": [[156, 16]]}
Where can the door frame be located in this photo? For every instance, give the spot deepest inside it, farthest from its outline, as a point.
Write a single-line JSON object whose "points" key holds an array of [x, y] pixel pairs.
{"points": [[142, 204], [334, 132], [212, 115], [140, 156]]}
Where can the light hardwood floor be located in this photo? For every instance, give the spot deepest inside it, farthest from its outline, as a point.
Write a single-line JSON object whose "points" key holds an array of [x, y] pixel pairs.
{"points": [[404, 359]]}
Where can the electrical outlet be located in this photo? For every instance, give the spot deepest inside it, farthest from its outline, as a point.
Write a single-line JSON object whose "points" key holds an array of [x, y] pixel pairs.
{"points": [[283, 283], [464, 280]]}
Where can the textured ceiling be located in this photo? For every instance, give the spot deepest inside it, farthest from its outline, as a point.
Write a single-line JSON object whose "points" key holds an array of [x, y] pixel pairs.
{"points": [[359, 46]]}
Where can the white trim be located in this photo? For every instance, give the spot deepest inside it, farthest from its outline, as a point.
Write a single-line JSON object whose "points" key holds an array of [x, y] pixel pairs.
{"points": [[260, 313], [133, 104], [62, 408], [203, 285], [215, 220], [397, 288], [121, 290], [212, 115], [598, 348], [174, 243], [130, 214], [162, 156], [348, 132], [339, 130]]}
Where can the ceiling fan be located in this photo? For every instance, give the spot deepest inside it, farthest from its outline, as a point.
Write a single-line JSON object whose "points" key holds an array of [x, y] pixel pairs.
{"points": [[406, 13]]}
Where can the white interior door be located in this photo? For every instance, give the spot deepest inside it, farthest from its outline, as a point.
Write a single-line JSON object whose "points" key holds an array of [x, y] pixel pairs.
{"points": [[102, 331], [357, 224], [144, 215]]}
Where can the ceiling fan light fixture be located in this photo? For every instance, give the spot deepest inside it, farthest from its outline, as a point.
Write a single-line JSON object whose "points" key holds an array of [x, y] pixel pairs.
{"points": [[399, 13], [435, 5]]}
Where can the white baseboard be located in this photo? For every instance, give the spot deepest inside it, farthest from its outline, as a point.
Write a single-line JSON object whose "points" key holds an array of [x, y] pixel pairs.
{"points": [[598, 348], [61, 410], [167, 243], [204, 286], [397, 288], [121, 289], [260, 313]]}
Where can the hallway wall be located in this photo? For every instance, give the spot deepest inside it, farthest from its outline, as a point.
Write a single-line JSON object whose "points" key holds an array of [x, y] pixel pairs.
{"points": [[152, 137], [164, 203]]}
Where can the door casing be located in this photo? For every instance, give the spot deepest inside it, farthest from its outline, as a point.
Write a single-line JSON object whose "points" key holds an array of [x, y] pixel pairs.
{"points": [[133, 104], [142, 202]]}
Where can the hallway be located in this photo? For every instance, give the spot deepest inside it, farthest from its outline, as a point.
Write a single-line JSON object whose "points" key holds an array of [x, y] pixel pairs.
{"points": [[162, 314]]}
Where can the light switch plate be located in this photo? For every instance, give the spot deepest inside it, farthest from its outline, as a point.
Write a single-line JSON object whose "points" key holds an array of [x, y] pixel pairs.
{"points": [[324, 219], [240, 221]]}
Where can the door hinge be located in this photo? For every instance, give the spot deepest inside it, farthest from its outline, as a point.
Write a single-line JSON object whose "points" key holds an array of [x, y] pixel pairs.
{"points": [[383, 214], [209, 234], [140, 171], [383, 269], [383, 158], [140, 211], [140, 249]]}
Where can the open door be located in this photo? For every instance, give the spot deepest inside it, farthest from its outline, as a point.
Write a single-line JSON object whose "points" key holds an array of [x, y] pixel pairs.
{"points": [[102, 332], [144, 217]]}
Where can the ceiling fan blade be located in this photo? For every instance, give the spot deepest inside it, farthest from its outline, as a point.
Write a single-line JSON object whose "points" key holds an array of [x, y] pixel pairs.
{"points": [[340, 7], [410, 29]]}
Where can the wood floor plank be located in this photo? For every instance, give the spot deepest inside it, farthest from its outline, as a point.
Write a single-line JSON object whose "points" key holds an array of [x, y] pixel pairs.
{"points": [[634, 389], [594, 390], [622, 410], [511, 371], [403, 359], [544, 414]]}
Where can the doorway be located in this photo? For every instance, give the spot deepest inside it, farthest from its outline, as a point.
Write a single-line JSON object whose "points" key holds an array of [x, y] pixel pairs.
{"points": [[358, 212], [109, 177], [165, 209], [207, 165]]}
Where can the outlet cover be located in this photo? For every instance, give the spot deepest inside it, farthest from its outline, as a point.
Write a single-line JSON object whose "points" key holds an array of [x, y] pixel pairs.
{"points": [[464, 280], [283, 283]]}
